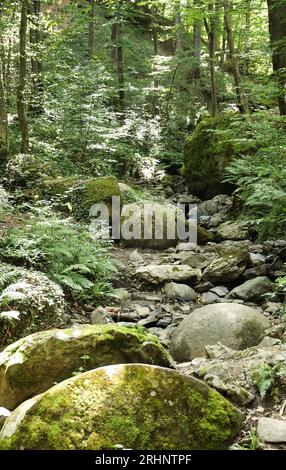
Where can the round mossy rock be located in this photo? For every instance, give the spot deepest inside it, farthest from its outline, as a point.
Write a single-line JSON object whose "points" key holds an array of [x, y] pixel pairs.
{"points": [[234, 325], [34, 364], [135, 406], [208, 151], [148, 224], [91, 192]]}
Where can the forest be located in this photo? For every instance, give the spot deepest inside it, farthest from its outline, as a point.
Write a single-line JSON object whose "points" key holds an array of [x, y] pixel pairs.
{"points": [[161, 324]]}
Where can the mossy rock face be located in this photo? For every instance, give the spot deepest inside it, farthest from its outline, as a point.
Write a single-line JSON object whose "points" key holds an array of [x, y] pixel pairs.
{"points": [[58, 186], [148, 224], [207, 153], [94, 191], [129, 194], [34, 364], [235, 326], [136, 406]]}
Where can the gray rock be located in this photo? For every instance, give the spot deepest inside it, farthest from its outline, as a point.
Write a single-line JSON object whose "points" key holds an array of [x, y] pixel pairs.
{"points": [[255, 271], [257, 259], [253, 289], [188, 246], [235, 326], [268, 342], [100, 317], [196, 260], [180, 292], [210, 297], [136, 258], [271, 430], [155, 274], [221, 291], [232, 231], [228, 265]]}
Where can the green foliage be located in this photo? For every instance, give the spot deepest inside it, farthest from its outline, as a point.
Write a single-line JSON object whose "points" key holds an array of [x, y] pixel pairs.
{"points": [[260, 176], [64, 251], [269, 376]]}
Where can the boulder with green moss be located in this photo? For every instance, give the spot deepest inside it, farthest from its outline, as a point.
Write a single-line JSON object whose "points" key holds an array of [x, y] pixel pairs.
{"points": [[33, 364], [135, 406], [91, 192], [148, 224], [209, 150], [54, 187]]}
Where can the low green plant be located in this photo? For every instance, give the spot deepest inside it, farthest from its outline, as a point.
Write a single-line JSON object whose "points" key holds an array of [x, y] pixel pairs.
{"points": [[64, 251], [260, 175], [268, 376]]}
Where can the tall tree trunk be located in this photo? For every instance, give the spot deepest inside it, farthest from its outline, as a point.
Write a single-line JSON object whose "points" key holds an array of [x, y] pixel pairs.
{"points": [[178, 23], [277, 30], [197, 44], [91, 29], [120, 68], [4, 136], [155, 105], [211, 32], [247, 37], [36, 105], [242, 100], [21, 98]]}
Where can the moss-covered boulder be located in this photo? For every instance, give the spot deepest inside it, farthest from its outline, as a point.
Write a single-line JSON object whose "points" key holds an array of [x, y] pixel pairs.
{"points": [[91, 192], [148, 224], [53, 187], [34, 364], [207, 153], [135, 406], [234, 325]]}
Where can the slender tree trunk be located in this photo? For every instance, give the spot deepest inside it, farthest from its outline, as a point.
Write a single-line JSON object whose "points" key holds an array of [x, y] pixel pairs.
{"points": [[120, 68], [36, 105], [178, 23], [155, 106], [113, 54], [223, 49], [277, 30], [4, 135], [247, 37], [211, 32], [91, 29], [197, 44], [21, 98], [242, 100]]}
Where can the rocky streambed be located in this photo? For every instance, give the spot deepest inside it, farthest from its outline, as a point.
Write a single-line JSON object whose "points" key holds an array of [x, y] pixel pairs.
{"points": [[209, 313]]}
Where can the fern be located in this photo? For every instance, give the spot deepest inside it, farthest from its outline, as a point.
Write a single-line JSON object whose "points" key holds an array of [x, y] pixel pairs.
{"points": [[64, 251]]}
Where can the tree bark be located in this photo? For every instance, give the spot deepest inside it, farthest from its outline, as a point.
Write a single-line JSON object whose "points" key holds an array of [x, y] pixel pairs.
{"points": [[197, 45], [21, 98], [178, 23], [155, 105], [211, 30], [36, 105], [4, 135], [277, 30], [242, 100], [91, 29]]}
